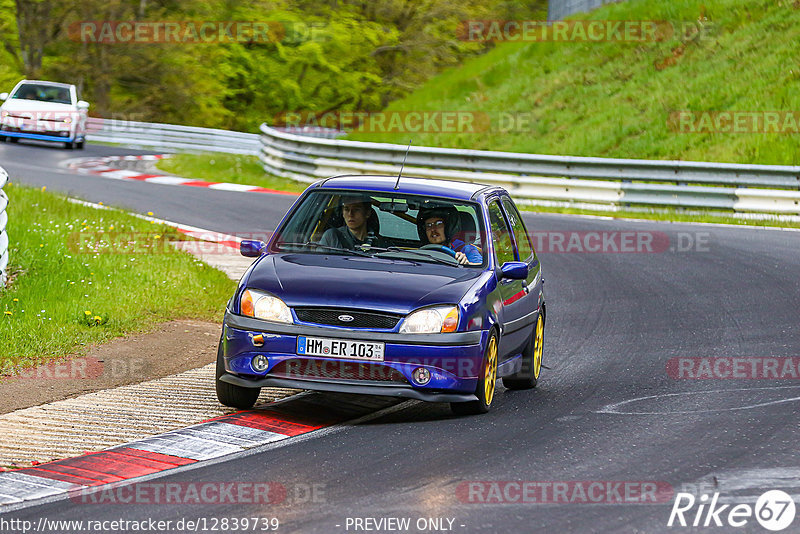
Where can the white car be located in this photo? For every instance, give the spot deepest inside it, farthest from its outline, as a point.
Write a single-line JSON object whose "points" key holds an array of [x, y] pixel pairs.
{"points": [[47, 111]]}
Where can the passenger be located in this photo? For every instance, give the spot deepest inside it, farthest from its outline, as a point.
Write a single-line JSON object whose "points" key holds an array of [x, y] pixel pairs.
{"points": [[357, 213], [439, 226]]}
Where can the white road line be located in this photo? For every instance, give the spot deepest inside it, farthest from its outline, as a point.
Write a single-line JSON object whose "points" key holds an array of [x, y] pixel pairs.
{"points": [[614, 408]]}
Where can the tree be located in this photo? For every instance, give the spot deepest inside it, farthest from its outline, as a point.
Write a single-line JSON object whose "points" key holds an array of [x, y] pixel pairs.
{"points": [[38, 25]]}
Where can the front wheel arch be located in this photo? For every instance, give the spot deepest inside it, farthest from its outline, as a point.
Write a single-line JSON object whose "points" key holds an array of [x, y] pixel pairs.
{"points": [[483, 390]]}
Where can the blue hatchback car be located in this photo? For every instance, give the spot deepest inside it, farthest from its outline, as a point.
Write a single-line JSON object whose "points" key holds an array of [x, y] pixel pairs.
{"points": [[406, 287]]}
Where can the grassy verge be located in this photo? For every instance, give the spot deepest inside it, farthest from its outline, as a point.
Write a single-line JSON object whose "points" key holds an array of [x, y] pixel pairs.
{"points": [[62, 296], [231, 168], [616, 98]]}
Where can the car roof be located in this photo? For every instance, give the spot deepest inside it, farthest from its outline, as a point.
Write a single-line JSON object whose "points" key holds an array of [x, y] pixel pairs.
{"points": [[407, 184], [43, 82]]}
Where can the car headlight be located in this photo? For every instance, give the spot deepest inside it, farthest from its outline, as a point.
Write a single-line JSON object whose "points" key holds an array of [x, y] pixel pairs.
{"points": [[264, 306], [431, 321]]}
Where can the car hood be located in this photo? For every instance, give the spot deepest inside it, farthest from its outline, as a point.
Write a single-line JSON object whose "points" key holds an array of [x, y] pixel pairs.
{"points": [[33, 106], [358, 282]]}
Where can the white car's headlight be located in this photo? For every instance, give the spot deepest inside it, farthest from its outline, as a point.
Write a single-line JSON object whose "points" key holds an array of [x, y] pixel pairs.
{"points": [[432, 320], [264, 306]]}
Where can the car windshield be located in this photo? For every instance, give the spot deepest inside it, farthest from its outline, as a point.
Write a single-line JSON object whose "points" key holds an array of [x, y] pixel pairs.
{"points": [[43, 93], [394, 226]]}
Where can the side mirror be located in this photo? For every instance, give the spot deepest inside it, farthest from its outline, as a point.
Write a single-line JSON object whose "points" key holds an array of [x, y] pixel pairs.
{"points": [[251, 248], [3, 96], [515, 270], [83, 105]]}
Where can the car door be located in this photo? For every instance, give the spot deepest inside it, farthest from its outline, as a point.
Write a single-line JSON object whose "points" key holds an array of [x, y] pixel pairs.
{"points": [[512, 306], [532, 288]]}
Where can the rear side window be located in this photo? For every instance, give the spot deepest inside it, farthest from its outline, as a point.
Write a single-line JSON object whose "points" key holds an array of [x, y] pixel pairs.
{"points": [[520, 232]]}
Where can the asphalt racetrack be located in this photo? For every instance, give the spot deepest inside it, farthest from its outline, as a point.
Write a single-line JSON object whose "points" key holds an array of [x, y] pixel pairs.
{"points": [[666, 372]]}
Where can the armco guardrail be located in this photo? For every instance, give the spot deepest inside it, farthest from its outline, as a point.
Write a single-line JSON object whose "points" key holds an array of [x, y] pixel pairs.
{"points": [[171, 136], [561, 179], [3, 224]]}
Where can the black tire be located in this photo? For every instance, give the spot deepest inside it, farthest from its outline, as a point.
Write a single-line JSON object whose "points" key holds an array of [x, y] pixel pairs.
{"points": [[528, 376], [13, 139], [79, 145], [229, 394], [486, 384], [69, 145]]}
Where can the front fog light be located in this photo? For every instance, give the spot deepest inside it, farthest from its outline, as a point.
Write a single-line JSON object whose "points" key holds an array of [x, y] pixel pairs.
{"points": [[259, 363], [421, 376]]}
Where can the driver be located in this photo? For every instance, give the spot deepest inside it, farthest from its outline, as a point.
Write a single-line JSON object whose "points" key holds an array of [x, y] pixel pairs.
{"points": [[439, 225], [357, 212]]}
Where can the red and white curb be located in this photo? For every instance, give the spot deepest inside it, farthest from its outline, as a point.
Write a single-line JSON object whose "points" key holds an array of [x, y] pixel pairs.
{"points": [[230, 434], [106, 168]]}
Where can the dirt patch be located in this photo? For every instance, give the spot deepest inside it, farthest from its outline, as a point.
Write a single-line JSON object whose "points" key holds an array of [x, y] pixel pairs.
{"points": [[172, 348]]}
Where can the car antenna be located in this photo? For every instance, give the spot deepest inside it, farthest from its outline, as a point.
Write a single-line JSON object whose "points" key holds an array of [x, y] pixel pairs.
{"points": [[397, 183]]}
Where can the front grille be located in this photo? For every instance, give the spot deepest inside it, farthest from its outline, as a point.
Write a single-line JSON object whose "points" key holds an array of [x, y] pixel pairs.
{"points": [[330, 316], [336, 370]]}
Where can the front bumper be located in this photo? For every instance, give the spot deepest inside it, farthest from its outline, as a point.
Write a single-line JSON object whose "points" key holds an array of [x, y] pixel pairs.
{"points": [[453, 360], [383, 391], [60, 138], [42, 130]]}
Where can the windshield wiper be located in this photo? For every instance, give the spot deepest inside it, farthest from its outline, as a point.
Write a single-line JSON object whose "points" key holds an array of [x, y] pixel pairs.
{"points": [[326, 247], [422, 256]]}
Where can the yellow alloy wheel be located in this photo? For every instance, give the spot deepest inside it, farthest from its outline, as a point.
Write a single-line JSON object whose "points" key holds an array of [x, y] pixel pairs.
{"points": [[490, 373], [538, 348]]}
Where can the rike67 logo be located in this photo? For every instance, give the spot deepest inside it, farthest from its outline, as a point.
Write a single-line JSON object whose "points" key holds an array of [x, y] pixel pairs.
{"points": [[774, 510]]}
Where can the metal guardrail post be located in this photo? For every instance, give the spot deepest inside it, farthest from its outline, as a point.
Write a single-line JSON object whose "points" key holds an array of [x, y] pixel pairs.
{"points": [[3, 224]]}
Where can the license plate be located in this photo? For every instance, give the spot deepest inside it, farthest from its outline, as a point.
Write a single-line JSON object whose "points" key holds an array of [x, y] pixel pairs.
{"points": [[339, 348]]}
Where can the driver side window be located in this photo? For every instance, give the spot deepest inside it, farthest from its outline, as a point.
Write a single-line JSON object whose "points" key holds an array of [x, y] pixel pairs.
{"points": [[501, 237]]}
